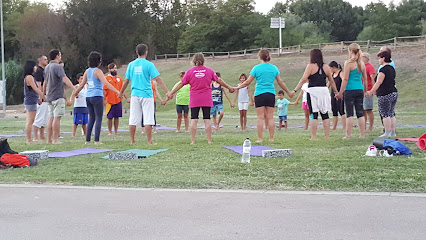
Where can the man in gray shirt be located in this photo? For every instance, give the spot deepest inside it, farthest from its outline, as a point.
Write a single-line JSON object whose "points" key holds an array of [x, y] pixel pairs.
{"points": [[53, 87]]}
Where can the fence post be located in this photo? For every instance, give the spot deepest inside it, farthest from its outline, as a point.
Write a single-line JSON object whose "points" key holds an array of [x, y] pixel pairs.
{"points": [[394, 43], [425, 41], [156, 58], [229, 55], [165, 57], [299, 49], [319, 45], [245, 50], [177, 56], [342, 46], [368, 45], [213, 54], [279, 52]]}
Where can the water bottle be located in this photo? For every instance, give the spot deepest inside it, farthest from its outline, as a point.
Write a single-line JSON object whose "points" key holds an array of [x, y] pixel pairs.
{"points": [[246, 151]]}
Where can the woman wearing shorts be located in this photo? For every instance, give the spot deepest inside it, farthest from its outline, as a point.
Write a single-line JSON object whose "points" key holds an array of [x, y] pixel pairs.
{"points": [[353, 88], [387, 94], [264, 95], [337, 105], [31, 96], [200, 98]]}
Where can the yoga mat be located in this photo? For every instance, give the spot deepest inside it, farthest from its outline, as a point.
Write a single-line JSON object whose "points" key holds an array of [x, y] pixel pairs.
{"points": [[12, 135], [408, 139], [203, 127], [142, 153], [77, 152], [256, 150], [165, 128], [119, 130], [422, 142]]}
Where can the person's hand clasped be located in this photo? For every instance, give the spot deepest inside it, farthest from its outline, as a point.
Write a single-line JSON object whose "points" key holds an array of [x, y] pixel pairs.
{"points": [[128, 100], [169, 95], [232, 90], [292, 94], [119, 95], [163, 102], [368, 94]]}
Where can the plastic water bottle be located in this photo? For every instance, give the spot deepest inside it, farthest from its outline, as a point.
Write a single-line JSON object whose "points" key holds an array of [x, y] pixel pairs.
{"points": [[246, 151]]}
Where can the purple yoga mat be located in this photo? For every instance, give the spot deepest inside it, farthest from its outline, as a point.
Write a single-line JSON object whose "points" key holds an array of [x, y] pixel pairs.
{"points": [[256, 150], [12, 135], [77, 152], [165, 128], [203, 127], [119, 130]]}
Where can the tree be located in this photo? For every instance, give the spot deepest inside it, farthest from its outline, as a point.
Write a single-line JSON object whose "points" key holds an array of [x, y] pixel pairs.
{"points": [[12, 9], [335, 16]]}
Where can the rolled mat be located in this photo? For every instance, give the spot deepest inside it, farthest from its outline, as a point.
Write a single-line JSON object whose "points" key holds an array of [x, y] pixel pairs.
{"points": [[378, 142], [422, 142]]}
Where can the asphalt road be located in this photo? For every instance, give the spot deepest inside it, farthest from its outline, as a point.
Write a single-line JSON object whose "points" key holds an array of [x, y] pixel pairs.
{"points": [[55, 212]]}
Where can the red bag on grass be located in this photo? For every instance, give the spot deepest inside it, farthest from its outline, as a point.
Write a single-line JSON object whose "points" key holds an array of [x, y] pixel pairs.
{"points": [[15, 160]]}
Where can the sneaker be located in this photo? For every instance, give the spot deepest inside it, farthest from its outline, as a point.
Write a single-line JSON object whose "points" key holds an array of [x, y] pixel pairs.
{"points": [[385, 153], [393, 134], [371, 151]]}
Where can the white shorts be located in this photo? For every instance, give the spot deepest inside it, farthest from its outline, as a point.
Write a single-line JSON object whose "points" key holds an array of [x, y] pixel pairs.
{"points": [[139, 106], [243, 106], [42, 116]]}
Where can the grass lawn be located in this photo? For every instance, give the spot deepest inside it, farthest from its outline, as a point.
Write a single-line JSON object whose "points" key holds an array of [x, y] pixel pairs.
{"points": [[335, 164]]}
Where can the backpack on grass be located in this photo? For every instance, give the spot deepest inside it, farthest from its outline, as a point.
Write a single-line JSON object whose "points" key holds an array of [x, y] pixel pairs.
{"points": [[14, 160]]}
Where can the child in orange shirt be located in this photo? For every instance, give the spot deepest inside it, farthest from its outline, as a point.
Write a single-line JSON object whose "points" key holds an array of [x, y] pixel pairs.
{"points": [[114, 108]]}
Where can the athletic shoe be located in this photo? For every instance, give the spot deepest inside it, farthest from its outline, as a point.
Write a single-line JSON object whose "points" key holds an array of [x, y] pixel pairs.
{"points": [[385, 153], [393, 134], [371, 151]]}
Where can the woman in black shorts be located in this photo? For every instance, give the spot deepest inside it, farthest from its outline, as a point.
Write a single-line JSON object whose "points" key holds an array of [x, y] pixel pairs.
{"points": [[387, 94], [264, 95], [337, 105]]}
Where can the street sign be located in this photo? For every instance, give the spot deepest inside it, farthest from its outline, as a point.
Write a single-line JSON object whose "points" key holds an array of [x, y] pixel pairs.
{"points": [[275, 22]]}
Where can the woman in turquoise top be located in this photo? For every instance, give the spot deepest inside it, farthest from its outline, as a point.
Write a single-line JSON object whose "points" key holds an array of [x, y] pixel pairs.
{"points": [[264, 95], [353, 89], [95, 78]]}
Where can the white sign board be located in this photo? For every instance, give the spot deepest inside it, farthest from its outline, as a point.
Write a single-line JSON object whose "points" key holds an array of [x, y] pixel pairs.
{"points": [[275, 23]]}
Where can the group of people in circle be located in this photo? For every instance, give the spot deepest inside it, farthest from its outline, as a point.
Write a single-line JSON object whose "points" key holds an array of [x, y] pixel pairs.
{"points": [[349, 88]]}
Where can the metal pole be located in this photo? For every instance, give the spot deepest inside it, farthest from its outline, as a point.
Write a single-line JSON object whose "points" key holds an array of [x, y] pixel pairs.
{"points": [[281, 42], [2, 59]]}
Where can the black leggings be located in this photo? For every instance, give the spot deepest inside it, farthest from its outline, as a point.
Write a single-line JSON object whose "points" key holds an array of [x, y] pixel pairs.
{"points": [[354, 98], [95, 105], [337, 106], [315, 114]]}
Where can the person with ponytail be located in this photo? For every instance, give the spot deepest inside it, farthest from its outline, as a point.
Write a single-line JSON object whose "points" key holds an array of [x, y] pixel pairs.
{"points": [[200, 94], [264, 95], [318, 96], [337, 105], [353, 89]]}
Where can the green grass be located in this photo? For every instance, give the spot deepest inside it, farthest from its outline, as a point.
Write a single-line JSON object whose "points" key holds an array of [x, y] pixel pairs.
{"points": [[335, 164]]}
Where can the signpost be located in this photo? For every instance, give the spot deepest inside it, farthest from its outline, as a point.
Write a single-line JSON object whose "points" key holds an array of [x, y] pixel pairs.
{"points": [[278, 23], [3, 79]]}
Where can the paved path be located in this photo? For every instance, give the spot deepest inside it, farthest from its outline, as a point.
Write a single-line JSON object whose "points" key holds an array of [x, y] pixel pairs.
{"points": [[52, 212]]}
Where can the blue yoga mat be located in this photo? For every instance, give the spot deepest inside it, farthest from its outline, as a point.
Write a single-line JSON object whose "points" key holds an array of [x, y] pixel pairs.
{"points": [[142, 153]]}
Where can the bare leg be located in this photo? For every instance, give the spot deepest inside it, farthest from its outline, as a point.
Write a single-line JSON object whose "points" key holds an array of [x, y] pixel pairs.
{"points": [[35, 131], [148, 129], [84, 127], [285, 124], [361, 124], [307, 115], [387, 122], [194, 129], [335, 121], [281, 124], [109, 126], [42, 137], [56, 130], [326, 126], [132, 129], [343, 122], [349, 126], [314, 129], [215, 122], [178, 122], [370, 116], [270, 120], [208, 124], [74, 130], [221, 113], [242, 119], [116, 122], [29, 126], [143, 130], [393, 123], [260, 111], [50, 130], [186, 120]]}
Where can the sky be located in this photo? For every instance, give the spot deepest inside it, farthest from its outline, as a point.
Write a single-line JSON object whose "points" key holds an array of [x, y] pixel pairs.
{"points": [[265, 5]]}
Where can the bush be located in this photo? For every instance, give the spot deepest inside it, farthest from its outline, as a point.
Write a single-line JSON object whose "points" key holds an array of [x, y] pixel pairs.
{"points": [[14, 83]]}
